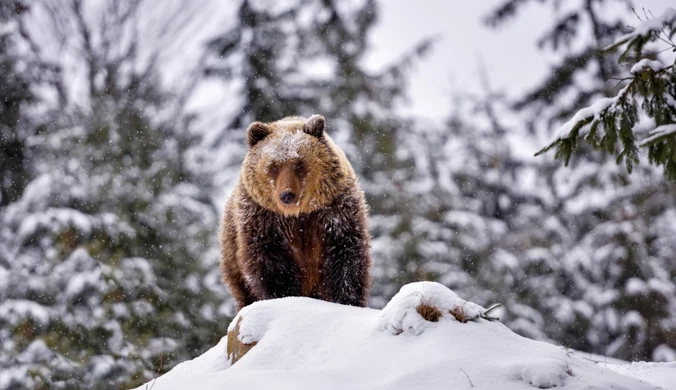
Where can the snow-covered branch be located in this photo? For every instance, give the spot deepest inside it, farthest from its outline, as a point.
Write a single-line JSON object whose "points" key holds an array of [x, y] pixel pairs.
{"points": [[651, 93]]}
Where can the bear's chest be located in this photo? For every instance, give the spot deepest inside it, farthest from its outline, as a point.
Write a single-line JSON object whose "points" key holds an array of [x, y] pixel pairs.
{"points": [[305, 236]]}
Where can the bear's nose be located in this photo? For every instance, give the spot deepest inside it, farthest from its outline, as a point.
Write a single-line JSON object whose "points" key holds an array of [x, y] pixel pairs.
{"points": [[287, 197]]}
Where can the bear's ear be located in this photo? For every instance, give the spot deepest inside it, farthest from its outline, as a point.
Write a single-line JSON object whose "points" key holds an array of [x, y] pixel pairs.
{"points": [[256, 132], [315, 125]]}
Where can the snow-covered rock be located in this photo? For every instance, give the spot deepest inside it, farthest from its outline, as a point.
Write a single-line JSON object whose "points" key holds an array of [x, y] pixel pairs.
{"points": [[302, 343]]}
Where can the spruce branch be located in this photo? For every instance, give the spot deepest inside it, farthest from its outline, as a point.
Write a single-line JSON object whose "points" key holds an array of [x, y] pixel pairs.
{"points": [[651, 90]]}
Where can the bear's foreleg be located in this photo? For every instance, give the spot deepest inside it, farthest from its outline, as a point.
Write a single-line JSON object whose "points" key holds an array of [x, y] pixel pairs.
{"points": [[238, 287], [346, 263], [272, 271]]}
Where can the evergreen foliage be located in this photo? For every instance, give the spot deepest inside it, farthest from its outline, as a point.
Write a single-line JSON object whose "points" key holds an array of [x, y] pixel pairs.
{"points": [[606, 265], [611, 124], [21, 72], [108, 276]]}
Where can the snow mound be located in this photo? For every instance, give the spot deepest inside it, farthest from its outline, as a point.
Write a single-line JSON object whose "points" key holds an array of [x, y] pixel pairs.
{"points": [[302, 343], [406, 311]]}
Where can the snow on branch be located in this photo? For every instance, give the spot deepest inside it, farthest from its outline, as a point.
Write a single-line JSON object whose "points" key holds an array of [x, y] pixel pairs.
{"points": [[651, 91], [658, 134], [648, 30]]}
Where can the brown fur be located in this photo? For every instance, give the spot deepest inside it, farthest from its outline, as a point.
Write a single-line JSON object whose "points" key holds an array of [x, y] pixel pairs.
{"points": [[316, 246]]}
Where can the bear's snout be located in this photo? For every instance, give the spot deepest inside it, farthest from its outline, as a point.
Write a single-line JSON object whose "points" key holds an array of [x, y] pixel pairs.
{"points": [[287, 197]]}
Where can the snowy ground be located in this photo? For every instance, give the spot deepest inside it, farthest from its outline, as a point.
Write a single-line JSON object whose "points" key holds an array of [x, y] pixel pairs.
{"points": [[308, 344]]}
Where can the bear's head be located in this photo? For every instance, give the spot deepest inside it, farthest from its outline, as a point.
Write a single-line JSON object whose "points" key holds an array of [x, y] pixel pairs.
{"points": [[292, 166]]}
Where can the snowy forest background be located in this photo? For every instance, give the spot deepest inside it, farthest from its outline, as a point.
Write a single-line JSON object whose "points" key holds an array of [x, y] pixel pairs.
{"points": [[114, 168]]}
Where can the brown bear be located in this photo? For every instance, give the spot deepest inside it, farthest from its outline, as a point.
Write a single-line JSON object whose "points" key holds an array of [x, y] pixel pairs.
{"points": [[296, 223]]}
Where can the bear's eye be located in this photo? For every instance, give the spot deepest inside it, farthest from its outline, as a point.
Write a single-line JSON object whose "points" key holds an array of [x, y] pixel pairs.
{"points": [[300, 168], [274, 169]]}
